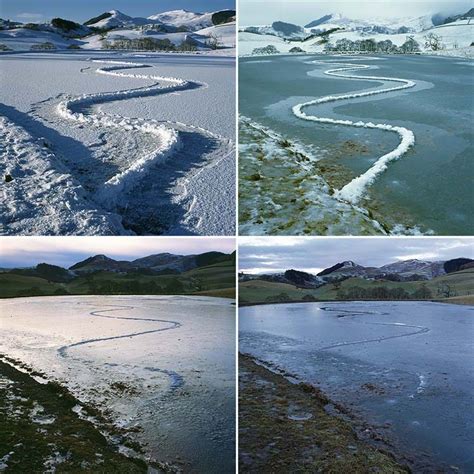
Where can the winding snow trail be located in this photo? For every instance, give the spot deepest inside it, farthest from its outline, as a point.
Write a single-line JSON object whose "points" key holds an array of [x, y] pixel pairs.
{"points": [[176, 379], [417, 329], [167, 139], [355, 189]]}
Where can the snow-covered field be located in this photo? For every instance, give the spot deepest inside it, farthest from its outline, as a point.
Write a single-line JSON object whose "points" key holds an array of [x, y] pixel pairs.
{"points": [[165, 364], [114, 143]]}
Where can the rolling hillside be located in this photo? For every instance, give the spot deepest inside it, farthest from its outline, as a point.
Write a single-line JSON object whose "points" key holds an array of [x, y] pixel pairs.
{"points": [[456, 287], [212, 274]]}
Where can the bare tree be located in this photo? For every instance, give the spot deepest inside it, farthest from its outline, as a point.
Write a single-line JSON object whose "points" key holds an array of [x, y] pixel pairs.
{"points": [[214, 41], [433, 42]]}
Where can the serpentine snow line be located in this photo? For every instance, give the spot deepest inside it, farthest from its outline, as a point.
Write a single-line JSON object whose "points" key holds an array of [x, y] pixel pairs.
{"points": [[418, 329], [176, 379], [354, 190], [167, 138]]}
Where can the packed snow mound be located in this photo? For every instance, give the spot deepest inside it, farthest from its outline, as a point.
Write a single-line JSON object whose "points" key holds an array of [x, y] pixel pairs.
{"points": [[42, 198], [183, 18], [355, 190], [166, 138]]}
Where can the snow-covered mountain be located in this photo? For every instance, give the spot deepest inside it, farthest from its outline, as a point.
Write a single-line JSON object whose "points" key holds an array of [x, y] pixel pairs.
{"points": [[183, 18], [454, 35], [174, 20], [415, 267], [117, 19], [406, 270], [374, 25], [280, 29], [178, 30], [155, 263]]}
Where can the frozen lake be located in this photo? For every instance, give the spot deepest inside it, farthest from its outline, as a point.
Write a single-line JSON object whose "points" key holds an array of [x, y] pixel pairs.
{"points": [[406, 367], [163, 363], [135, 143], [427, 188]]}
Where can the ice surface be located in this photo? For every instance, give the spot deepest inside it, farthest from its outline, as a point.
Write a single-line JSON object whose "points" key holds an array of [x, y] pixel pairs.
{"points": [[402, 365], [158, 362]]}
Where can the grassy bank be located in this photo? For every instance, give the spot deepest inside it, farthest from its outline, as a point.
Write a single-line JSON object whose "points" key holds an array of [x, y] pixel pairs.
{"points": [[39, 431], [211, 280], [284, 427]]}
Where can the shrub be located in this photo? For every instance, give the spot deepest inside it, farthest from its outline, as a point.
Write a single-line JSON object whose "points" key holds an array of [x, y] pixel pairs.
{"points": [[73, 46], [270, 49], [43, 46], [31, 26]]}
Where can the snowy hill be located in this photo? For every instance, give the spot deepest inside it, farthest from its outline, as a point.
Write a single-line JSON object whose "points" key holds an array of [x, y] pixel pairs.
{"points": [[375, 25], [155, 263], [280, 29], [453, 37], [23, 39], [407, 270], [116, 19], [183, 18], [225, 34]]}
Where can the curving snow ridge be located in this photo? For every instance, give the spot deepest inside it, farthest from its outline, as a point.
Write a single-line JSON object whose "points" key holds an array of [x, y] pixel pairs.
{"points": [[176, 380], [353, 191], [167, 138]]}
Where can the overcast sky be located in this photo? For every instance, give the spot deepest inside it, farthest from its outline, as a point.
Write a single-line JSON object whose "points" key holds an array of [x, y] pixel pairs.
{"points": [[82, 10], [65, 251], [258, 12], [313, 254]]}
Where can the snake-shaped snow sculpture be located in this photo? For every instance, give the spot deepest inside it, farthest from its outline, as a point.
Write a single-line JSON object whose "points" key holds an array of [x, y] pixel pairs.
{"points": [[355, 189]]}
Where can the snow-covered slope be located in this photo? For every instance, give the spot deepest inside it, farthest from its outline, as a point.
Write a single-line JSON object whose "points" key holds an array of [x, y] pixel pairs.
{"points": [[415, 266], [373, 25], [280, 29], [21, 39], [226, 34], [455, 38], [183, 18], [116, 19], [250, 41]]}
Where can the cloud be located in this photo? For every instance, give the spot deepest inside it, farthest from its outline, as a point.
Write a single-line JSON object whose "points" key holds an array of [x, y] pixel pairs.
{"points": [[30, 17]]}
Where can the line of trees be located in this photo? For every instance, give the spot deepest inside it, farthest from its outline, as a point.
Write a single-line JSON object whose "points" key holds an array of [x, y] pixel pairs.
{"points": [[135, 287], [384, 293], [148, 44], [369, 45]]}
